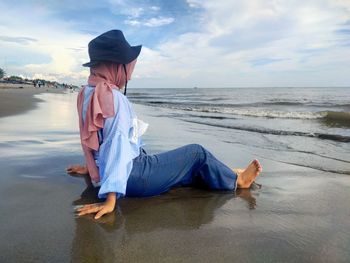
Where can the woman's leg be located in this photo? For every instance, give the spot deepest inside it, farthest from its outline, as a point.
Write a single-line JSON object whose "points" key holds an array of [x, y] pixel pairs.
{"points": [[187, 165]]}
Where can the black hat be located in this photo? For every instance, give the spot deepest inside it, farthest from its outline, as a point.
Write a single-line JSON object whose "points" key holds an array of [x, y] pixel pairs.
{"points": [[111, 46]]}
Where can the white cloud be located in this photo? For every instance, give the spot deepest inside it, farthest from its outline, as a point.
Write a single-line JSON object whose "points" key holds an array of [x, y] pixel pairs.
{"points": [[234, 33], [299, 38], [155, 8], [135, 12], [42, 36], [132, 22], [18, 40], [194, 3], [126, 8], [159, 21], [152, 22]]}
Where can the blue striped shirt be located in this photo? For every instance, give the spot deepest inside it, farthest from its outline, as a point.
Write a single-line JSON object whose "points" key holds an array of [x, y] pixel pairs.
{"points": [[118, 145]]}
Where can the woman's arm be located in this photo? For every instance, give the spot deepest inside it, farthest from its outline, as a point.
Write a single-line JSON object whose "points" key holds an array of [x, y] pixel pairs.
{"points": [[115, 157], [101, 208]]}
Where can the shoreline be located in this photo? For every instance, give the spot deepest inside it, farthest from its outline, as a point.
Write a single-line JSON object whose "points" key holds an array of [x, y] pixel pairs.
{"points": [[289, 219], [19, 98]]}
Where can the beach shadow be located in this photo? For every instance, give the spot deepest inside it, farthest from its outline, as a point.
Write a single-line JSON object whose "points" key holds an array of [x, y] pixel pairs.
{"points": [[181, 209]]}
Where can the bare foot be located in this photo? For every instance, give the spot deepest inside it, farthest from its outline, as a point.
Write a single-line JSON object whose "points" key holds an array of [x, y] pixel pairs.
{"points": [[247, 177]]}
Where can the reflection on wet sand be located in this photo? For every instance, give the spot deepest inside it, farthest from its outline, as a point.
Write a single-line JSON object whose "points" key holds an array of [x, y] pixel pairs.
{"points": [[182, 209]]}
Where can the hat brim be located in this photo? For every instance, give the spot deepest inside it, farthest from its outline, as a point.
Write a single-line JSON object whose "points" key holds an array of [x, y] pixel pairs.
{"points": [[134, 53]]}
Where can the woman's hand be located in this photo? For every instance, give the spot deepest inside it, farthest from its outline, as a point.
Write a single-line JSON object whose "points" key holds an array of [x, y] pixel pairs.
{"points": [[77, 169], [99, 208]]}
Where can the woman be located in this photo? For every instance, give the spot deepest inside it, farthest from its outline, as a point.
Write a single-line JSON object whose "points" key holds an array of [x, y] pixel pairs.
{"points": [[110, 137]]}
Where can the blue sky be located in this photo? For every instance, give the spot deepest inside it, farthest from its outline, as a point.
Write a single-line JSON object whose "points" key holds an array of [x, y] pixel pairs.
{"points": [[186, 43]]}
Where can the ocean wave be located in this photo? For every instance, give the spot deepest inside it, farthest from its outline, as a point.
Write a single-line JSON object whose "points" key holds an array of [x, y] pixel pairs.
{"points": [[338, 115], [322, 136], [306, 102], [337, 119], [210, 102], [278, 114], [260, 112], [330, 115]]}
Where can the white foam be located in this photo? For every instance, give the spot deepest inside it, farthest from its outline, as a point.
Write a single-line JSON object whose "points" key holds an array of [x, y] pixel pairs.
{"points": [[263, 113]]}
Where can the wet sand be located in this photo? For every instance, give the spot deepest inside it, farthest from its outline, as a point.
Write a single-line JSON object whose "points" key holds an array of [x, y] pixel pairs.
{"points": [[19, 98], [299, 214]]}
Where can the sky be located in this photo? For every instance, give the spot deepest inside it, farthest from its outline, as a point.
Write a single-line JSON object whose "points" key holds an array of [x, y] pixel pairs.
{"points": [[186, 43]]}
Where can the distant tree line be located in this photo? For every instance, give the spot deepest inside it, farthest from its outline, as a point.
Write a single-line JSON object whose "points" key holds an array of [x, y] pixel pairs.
{"points": [[35, 82], [2, 73]]}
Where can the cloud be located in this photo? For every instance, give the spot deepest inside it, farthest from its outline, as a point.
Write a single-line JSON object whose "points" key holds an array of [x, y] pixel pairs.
{"points": [[152, 22], [194, 3], [50, 48], [18, 40], [190, 43], [155, 8], [132, 22], [160, 21], [126, 8], [241, 43]]}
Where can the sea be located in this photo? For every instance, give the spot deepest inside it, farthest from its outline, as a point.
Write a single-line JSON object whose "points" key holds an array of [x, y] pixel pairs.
{"points": [[307, 127]]}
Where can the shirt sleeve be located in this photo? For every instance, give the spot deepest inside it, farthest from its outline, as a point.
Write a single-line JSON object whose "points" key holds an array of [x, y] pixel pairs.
{"points": [[115, 165], [117, 151]]}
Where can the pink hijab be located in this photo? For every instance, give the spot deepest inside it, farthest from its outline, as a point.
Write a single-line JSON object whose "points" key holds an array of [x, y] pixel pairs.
{"points": [[105, 77]]}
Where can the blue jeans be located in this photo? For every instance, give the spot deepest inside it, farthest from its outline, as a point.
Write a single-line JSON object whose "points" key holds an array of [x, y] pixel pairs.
{"points": [[185, 166]]}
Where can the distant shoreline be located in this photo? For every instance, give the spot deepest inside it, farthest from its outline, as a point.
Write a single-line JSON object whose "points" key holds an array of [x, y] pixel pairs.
{"points": [[19, 98]]}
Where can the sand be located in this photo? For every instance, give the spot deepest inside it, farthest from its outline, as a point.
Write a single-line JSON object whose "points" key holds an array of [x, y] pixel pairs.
{"points": [[299, 214], [19, 98]]}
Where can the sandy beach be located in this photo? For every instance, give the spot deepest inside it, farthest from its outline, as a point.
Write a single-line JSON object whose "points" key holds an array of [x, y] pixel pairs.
{"points": [[19, 98], [299, 215]]}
